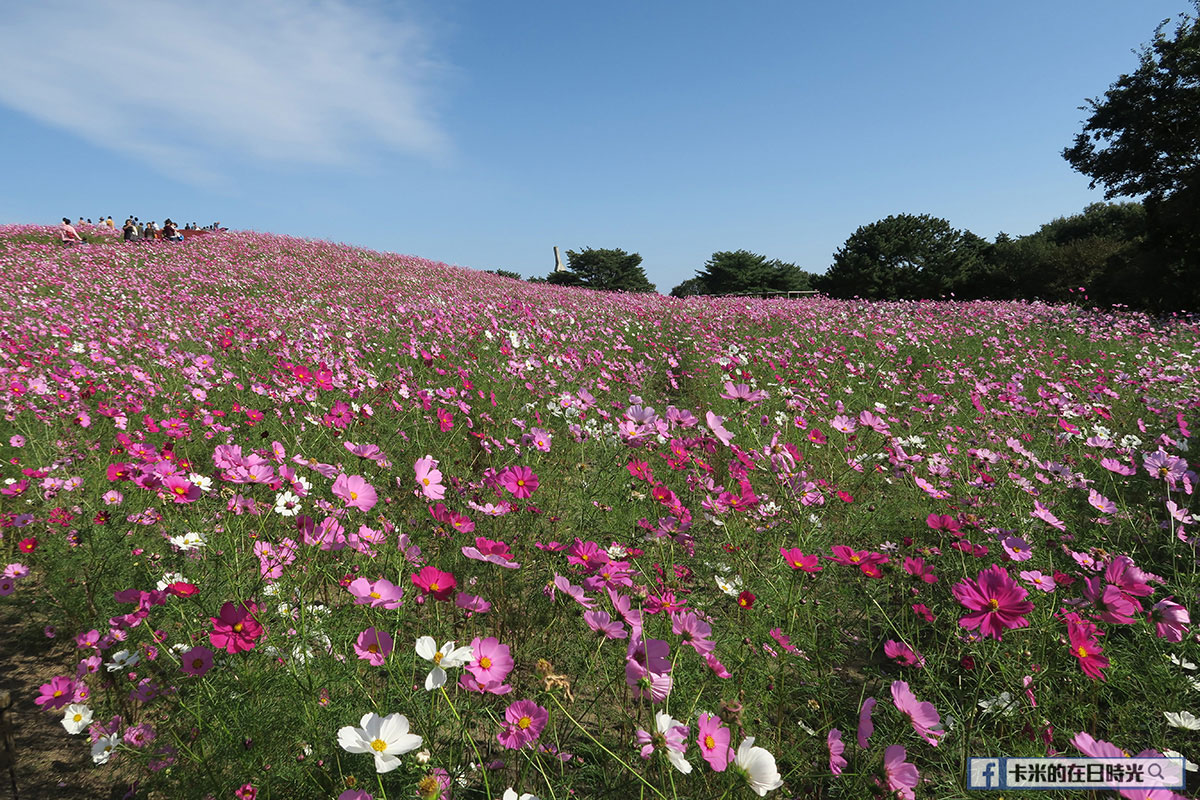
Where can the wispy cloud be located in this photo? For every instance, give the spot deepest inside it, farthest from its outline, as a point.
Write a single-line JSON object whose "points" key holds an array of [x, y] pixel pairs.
{"points": [[198, 88]]}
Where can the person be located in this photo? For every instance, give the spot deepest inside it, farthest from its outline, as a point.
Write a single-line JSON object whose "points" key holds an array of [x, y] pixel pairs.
{"points": [[109, 222], [68, 233], [128, 232], [170, 233], [80, 223]]}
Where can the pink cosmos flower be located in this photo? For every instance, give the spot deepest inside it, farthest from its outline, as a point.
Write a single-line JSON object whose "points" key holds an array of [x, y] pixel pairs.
{"points": [[1044, 582], [865, 725], [380, 593], [924, 717], [435, 583], [836, 747], [1017, 548], [1041, 512], [492, 552], [492, 662], [646, 683], [713, 738], [472, 604], [742, 392], [693, 630], [56, 694], [998, 602], [1170, 620], [576, 593], [236, 629], [374, 646], [600, 622], [355, 491], [902, 776], [181, 490], [525, 719], [715, 424], [429, 478], [197, 661], [521, 481], [903, 654], [459, 522]]}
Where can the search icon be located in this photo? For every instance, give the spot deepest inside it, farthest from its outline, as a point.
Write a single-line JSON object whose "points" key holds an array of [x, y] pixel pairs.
{"points": [[1155, 771]]}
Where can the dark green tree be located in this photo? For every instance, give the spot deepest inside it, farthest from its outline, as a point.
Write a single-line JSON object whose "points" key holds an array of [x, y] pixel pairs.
{"points": [[740, 271], [690, 288], [907, 257], [1143, 139], [610, 270]]}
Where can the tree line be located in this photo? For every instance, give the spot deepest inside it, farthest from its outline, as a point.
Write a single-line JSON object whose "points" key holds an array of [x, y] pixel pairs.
{"points": [[1141, 141]]}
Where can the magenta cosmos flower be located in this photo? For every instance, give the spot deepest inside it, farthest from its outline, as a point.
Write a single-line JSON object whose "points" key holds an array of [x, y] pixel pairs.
{"points": [[56, 694], [521, 481], [525, 721], [235, 629], [196, 661], [997, 600], [355, 491], [435, 583]]}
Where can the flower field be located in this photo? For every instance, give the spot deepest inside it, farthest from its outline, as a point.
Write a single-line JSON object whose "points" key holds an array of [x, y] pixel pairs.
{"points": [[320, 522]]}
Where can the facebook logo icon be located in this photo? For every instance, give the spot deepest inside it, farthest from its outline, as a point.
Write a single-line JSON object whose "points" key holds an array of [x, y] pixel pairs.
{"points": [[985, 773]]}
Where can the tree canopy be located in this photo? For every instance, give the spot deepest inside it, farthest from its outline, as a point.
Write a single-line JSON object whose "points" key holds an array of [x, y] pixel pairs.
{"points": [[906, 257], [607, 269]]}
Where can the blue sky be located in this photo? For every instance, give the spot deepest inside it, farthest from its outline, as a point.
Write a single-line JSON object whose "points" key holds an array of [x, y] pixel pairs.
{"points": [[483, 133]]}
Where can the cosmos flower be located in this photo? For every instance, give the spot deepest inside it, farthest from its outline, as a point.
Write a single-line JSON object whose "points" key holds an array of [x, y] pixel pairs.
{"points": [[998, 602], [385, 738]]}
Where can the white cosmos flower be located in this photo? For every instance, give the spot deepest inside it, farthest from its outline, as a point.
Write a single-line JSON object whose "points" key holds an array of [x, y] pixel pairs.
{"points": [[1181, 662], [102, 750], [203, 482], [730, 586], [189, 541], [1182, 719], [386, 738], [758, 767], [1002, 704], [168, 579], [1188, 765], [509, 794], [287, 504], [448, 657], [76, 718], [122, 659]]}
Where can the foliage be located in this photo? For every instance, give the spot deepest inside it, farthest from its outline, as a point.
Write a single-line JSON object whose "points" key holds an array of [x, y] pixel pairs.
{"points": [[611, 270], [743, 272], [691, 287], [906, 257]]}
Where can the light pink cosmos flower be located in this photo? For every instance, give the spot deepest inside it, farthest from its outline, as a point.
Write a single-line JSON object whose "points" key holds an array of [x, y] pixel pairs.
{"points": [[1044, 582], [742, 392], [716, 425], [380, 593], [998, 602], [713, 738], [902, 776], [670, 738], [1101, 503], [903, 654], [1041, 512], [429, 478], [1017, 548], [924, 717], [602, 623], [374, 646], [355, 491], [1170, 620], [576, 593]]}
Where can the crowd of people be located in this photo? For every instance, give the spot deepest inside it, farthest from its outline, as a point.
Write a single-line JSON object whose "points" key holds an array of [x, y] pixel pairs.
{"points": [[133, 230]]}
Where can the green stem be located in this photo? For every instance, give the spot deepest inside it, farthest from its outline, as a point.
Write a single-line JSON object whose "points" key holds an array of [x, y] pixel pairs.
{"points": [[611, 754]]}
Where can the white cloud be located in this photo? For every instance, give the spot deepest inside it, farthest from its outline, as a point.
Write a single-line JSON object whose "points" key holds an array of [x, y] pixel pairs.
{"points": [[196, 88]]}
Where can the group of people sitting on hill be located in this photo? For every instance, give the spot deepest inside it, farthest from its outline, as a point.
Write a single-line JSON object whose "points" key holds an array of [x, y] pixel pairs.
{"points": [[133, 230]]}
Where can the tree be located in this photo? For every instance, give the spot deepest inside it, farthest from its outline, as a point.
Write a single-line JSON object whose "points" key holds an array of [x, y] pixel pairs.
{"points": [[740, 271], [610, 270], [907, 257], [690, 288], [1143, 138]]}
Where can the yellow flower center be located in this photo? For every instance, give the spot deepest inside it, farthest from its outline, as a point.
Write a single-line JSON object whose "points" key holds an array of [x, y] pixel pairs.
{"points": [[379, 745], [855, 559], [524, 722], [709, 743], [433, 587], [994, 604], [425, 481], [1082, 652], [197, 663], [375, 595], [238, 627], [78, 717], [354, 495], [372, 648], [485, 662], [437, 657], [520, 483], [58, 692]]}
